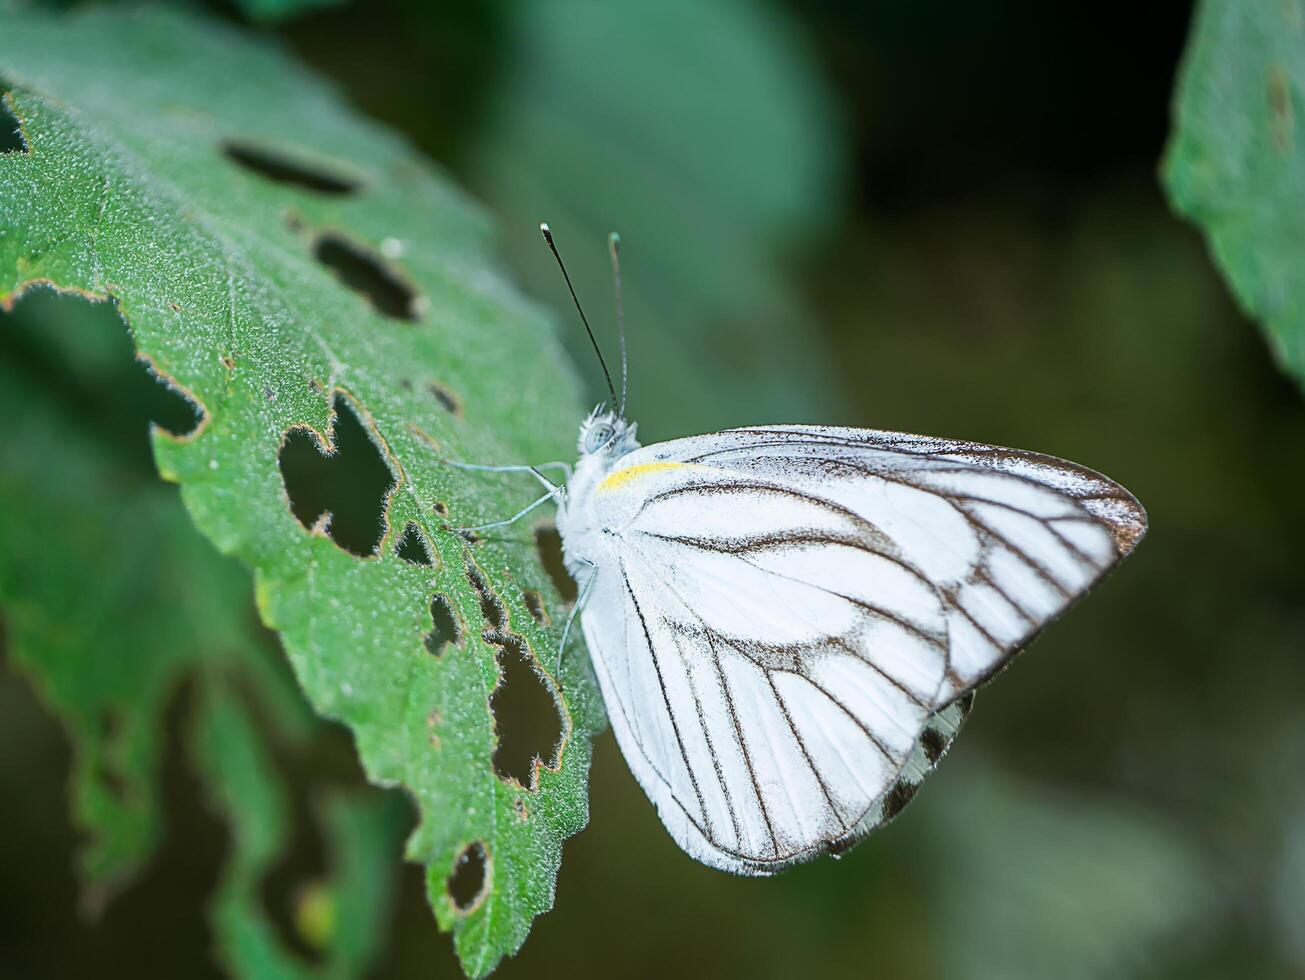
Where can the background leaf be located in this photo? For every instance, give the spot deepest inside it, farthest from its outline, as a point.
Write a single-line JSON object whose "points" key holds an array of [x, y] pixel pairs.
{"points": [[255, 236], [271, 11], [101, 587], [343, 919], [705, 133], [1235, 164], [113, 600]]}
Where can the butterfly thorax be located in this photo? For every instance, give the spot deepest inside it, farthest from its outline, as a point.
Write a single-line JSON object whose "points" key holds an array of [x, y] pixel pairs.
{"points": [[605, 437]]}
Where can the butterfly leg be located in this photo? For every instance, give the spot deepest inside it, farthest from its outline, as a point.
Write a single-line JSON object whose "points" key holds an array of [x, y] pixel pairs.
{"points": [[579, 603], [521, 513], [518, 468]]}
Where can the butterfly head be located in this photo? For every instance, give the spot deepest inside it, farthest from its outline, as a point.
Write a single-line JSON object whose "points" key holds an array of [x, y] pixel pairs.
{"points": [[606, 433]]}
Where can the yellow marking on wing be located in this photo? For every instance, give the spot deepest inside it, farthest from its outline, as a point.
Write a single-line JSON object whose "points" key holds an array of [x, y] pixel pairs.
{"points": [[621, 477]]}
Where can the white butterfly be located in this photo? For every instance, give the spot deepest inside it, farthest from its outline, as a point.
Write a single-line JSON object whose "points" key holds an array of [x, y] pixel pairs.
{"points": [[788, 622]]}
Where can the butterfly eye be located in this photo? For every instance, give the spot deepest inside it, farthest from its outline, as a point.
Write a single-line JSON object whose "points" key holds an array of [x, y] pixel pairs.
{"points": [[598, 437]]}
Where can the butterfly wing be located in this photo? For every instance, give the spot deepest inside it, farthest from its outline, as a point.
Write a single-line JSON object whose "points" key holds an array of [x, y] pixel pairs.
{"points": [[791, 619]]}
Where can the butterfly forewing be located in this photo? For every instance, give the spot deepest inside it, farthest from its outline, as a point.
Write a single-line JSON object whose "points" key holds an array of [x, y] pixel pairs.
{"points": [[787, 621]]}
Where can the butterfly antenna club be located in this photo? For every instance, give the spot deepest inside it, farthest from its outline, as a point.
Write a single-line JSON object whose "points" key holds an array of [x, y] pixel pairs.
{"points": [[548, 237]]}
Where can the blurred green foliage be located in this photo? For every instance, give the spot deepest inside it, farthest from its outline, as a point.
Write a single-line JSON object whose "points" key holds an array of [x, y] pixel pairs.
{"points": [[1235, 164], [347, 933], [943, 221], [112, 600], [110, 597], [271, 11], [710, 141]]}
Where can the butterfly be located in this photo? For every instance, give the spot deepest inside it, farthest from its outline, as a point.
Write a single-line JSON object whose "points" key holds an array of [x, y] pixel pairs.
{"points": [[788, 622]]}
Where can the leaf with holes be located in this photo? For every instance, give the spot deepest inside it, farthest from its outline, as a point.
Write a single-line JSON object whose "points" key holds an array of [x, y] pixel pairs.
{"points": [[326, 301], [1235, 164]]}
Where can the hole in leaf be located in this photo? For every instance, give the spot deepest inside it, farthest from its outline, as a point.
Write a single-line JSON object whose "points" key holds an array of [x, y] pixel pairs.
{"points": [[11, 136], [535, 603], [525, 716], [445, 628], [445, 397], [412, 546], [366, 274], [280, 168], [167, 406], [490, 607], [549, 545], [342, 486], [468, 879], [112, 392]]}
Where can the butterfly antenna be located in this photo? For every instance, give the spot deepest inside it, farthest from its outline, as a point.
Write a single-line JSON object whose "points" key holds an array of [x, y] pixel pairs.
{"points": [[614, 243], [548, 237]]}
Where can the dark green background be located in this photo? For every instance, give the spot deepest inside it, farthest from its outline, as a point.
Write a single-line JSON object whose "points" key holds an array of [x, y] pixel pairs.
{"points": [[999, 265]]}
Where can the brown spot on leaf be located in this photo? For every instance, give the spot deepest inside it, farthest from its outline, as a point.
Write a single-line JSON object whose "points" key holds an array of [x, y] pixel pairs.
{"points": [[450, 402]]}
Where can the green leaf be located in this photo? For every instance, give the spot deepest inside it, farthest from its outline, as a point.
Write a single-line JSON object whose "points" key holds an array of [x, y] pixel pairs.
{"points": [[272, 11], [701, 130], [110, 598], [349, 920], [1235, 164], [203, 182]]}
